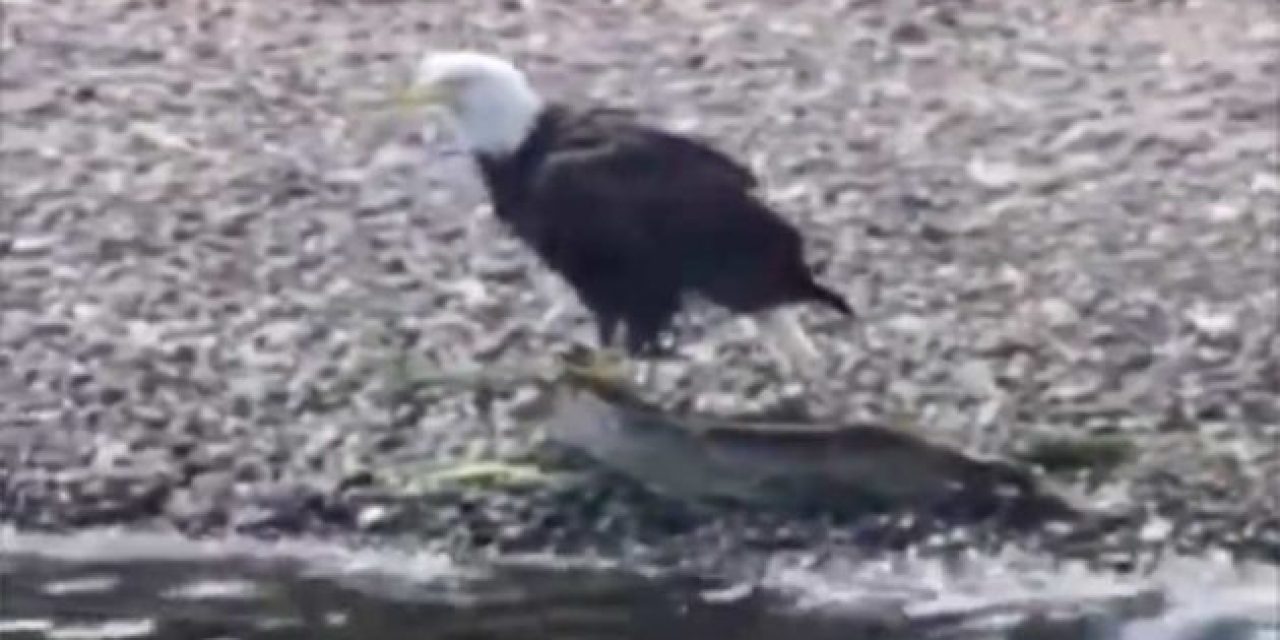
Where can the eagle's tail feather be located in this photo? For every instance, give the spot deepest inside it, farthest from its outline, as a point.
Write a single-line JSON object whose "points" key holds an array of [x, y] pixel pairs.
{"points": [[818, 293]]}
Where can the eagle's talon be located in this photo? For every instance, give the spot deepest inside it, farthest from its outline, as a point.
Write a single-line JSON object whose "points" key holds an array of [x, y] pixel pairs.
{"points": [[604, 366]]}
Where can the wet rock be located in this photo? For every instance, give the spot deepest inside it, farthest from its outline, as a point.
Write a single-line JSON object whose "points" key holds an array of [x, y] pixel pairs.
{"points": [[1099, 453], [993, 174], [233, 589], [193, 511], [83, 585], [376, 517], [1077, 385], [977, 378], [360, 479], [909, 33], [1214, 324]]}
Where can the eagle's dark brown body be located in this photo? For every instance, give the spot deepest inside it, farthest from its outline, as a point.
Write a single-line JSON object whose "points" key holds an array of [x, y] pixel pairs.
{"points": [[634, 218]]}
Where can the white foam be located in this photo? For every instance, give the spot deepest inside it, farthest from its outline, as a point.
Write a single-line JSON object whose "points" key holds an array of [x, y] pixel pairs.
{"points": [[1183, 599], [389, 565]]}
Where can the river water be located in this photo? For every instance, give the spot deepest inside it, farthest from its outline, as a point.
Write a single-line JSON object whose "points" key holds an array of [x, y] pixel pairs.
{"points": [[132, 585]]}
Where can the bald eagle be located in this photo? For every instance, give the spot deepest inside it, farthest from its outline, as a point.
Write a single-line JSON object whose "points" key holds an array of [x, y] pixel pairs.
{"points": [[633, 218]]}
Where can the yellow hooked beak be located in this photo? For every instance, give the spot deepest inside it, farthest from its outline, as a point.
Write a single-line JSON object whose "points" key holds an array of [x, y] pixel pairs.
{"points": [[373, 120], [417, 96], [405, 99]]}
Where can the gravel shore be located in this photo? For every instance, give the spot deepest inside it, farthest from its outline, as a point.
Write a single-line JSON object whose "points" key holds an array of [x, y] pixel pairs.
{"points": [[1056, 219]]}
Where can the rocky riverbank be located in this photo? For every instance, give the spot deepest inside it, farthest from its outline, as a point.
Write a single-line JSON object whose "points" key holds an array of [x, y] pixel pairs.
{"points": [[1057, 220]]}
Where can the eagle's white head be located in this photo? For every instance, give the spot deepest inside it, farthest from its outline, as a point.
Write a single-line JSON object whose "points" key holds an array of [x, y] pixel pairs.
{"points": [[489, 101]]}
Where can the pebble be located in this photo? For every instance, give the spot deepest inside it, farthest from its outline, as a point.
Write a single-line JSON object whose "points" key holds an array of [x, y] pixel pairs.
{"points": [[1059, 313], [31, 246], [375, 517], [1213, 323]]}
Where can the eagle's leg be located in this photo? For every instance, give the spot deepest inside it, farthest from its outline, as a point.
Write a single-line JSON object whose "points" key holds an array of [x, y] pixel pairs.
{"points": [[605, 361], [609, 334], [634, 356], [790, 344], [604, 365], [645, 348]]}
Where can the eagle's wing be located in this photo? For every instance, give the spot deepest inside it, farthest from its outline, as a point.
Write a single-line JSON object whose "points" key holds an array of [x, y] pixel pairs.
{"points": [[628, 186], [598, 228], [613, 142], [623, 208]]}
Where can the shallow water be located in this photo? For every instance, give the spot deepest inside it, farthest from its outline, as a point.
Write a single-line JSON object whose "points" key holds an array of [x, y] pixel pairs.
{"points": [[117, 585]]}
